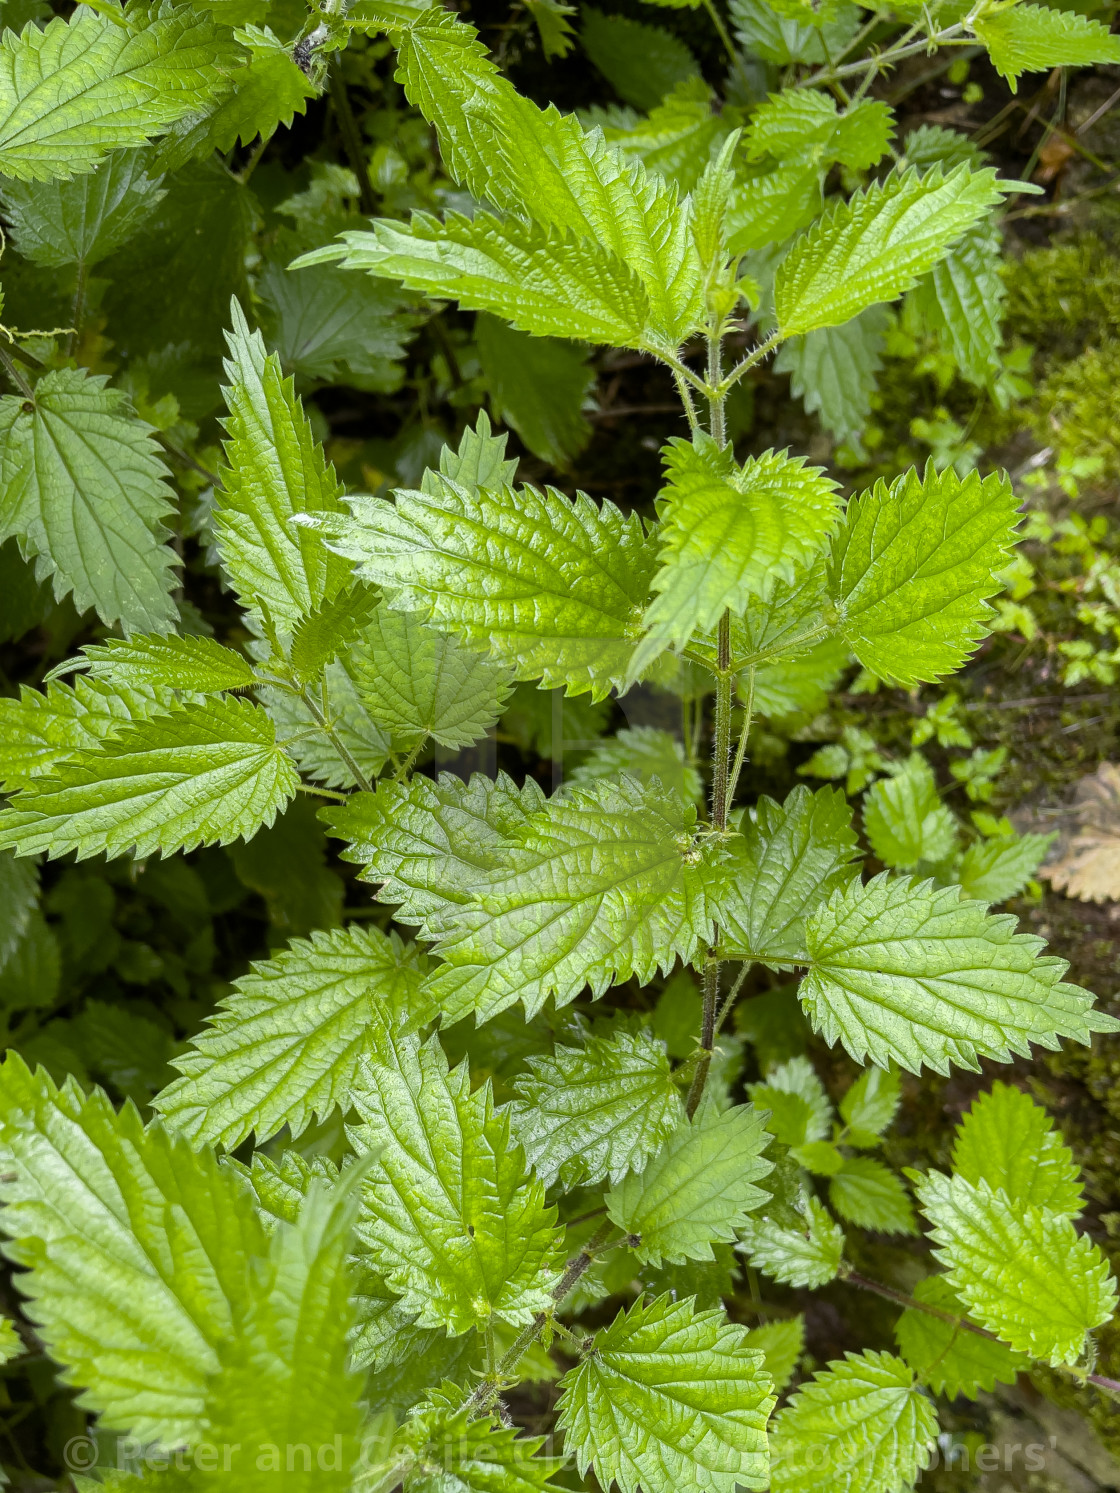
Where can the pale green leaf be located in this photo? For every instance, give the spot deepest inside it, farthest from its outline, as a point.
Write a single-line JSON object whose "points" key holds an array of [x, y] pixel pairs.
{"points": [[451, 1215], [431, 844], [792, 856], [803, 125], [904, 972], [83, 220], [319, 759], [729, 533], [669, 1398], [138, 1253], [203, 774], [274, 472], [800, 1110], [904, 818], [781, 1345], [607, 883], [800, 685], [870, 1418], [82, 486], [1021, 1271], [874, 246], [540, 281], [806, 1256], [867, 1193], [770, 205], [641, 63], [478, 463], [329, 630], [192, 663], [699, 1188], [285, 1046], [40, 730], [540, 388], [1034, 38], [601, 1110], [833, 371], [443, 1450], [678, 140], [912, 565], [1009, 1142], [993, 870], [950, 1359], [417, 682], [646, 753], [11, 1344], [552, 586], [76, 90], [871, 1103]]}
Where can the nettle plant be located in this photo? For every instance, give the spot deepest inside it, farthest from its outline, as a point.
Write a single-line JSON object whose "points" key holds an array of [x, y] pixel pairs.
{"points": [[358, 1312]]}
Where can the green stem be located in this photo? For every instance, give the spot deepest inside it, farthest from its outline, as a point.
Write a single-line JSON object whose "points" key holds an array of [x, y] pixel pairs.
{"points": [[15, 375], [78, 307], [352, 139], [744, 735], [750, 361], [723, 33], [335, 740], [409, 762], [575, 1267], [731, 997], [716, 400], [686, 399], [950, 36]]}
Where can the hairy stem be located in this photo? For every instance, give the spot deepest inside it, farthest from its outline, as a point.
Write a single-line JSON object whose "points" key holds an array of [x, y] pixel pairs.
{"points": [[485, 1392], [352, 139], [750, 361], [16, 375], [900, 1298], [951, 36], [78, 307], [744, 737], [409, 762], [335, 740]]}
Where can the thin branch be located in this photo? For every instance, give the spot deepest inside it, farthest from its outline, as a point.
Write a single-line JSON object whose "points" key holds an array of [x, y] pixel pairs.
{"points": [[352, 139], [336, 741]]}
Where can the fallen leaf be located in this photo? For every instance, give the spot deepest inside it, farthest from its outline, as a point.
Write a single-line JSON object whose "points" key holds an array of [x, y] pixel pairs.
{"points": [[1089, 864]]}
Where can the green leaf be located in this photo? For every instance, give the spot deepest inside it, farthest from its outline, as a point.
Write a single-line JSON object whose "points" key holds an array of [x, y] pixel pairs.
{"points": [[908, 973], [418, 682], [84, 220], [40, 730], [794, 32], [911, 568], [541, 282], [583, 1114], [809, 1256], [275, 471], [875, 245], [329, 630], [204, 774], [871, 1103], [539, 387], [31, 975], [904, 818], [993, 870], [869, 1415], [285, 1046], [1022, 1272], [325, 324], [137, 1267], [479, 463], [793, 856], [800, 1110], [697, 1189], [645, 753], [19, 896], [641, 63], [351, 721], [1009, 1142], [193, 663], [679, 140], [270, 92], [950, 1359], [962, 301], [1034, 38], [606, 884], [867, 1193], [781, 1345], [833, 371], [432, 843], [451, 1215], [803, 125], [451, 1453], [549, 585], [771, 205], [669, 1398], [729, 533], [83, 488], [11, 1344], [286, 1382], [76, 90]]}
